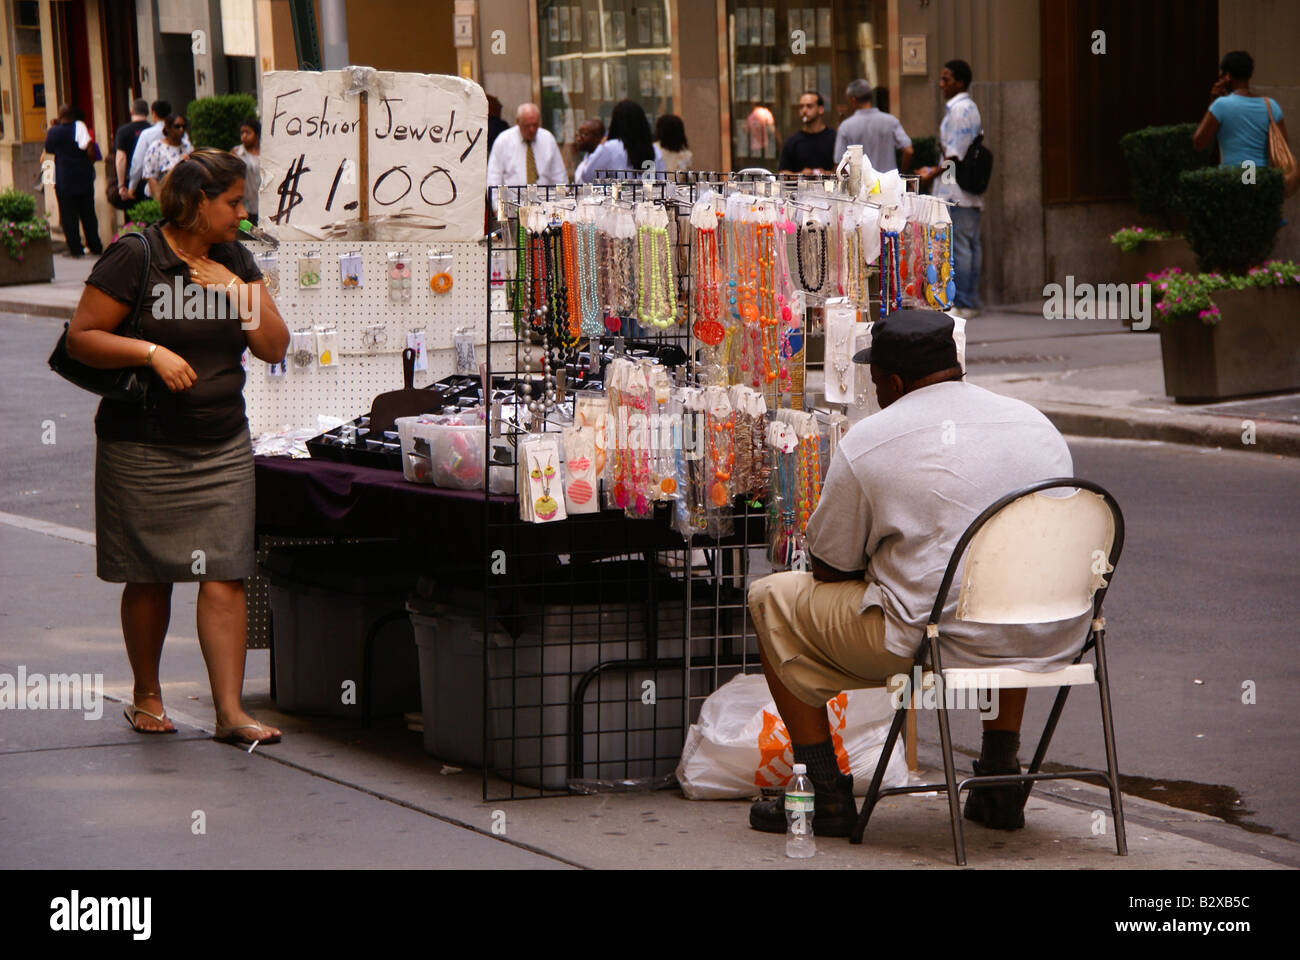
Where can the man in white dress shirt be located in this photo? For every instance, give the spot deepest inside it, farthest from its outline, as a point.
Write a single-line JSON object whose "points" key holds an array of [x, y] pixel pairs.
{"points": [[526, 153]]}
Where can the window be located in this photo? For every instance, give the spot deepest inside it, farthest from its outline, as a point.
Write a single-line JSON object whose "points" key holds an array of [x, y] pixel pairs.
{"points": [[778, 50], [595, 53]]}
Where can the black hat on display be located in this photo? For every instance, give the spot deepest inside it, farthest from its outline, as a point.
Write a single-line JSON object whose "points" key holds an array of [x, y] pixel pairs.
{"points": [[911, 343]]}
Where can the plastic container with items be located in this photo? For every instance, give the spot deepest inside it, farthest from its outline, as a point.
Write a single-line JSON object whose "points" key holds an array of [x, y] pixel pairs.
{"points": [[445, 450]]}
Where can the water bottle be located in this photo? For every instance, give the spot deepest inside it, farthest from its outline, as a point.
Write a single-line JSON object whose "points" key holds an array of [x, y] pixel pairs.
{"points": [[799, 842]]}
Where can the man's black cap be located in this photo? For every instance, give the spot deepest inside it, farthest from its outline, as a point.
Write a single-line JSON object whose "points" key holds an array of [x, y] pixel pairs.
{"points": [[911, 343]]}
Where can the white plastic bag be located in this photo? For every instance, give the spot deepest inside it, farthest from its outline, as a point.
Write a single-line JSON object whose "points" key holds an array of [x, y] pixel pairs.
{"points": [[740, 744]]}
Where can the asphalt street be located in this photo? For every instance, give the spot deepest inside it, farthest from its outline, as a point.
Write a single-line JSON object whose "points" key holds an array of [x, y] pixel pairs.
{"points": [[1201, 615]]}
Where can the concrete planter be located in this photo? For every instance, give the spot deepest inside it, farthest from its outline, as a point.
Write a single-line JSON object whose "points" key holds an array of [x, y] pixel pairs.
{"points": [[36, 266], [1154, 256], [1254, 348]]}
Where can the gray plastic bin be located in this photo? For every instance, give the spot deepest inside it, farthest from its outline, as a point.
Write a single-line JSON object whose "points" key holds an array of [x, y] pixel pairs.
{"points": [[324, 602]]}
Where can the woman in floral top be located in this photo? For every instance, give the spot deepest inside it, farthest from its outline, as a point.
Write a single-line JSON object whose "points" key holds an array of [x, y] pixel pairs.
{"points": [[165, 153]]}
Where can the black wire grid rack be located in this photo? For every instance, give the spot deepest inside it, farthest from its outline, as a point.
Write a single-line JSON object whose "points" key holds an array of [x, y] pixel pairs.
{"points": [[601, 636]]}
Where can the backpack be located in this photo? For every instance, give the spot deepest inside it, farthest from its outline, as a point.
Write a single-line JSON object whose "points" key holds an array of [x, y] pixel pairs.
{"points": [[976, 168]]}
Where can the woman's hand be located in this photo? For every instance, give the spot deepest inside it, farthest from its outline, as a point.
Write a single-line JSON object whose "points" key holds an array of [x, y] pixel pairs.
{"points": [[206, 271], [1220, 88], [173, 370]]}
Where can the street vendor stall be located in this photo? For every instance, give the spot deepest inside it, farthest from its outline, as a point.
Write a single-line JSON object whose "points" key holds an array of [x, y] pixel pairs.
{"points": [[607, 424]]}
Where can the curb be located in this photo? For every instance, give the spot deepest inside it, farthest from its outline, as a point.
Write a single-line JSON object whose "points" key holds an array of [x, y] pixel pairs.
{"points": [[58, 311], [1130, 423]]}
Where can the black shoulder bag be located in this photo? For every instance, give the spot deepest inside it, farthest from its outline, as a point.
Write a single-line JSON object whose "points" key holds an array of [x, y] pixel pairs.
{"points": [[976, 168], [126, 384]]}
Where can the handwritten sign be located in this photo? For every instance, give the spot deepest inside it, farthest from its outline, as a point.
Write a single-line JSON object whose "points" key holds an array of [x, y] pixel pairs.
{"points": [[425, 144]]}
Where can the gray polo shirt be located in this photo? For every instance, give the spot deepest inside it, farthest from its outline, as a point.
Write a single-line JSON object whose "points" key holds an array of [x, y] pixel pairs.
{"points": [[879, 133], [901, 489]]}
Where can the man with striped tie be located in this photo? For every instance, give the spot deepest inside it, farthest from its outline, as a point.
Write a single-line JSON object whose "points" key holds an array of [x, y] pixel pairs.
{"points": [[526, 153]]}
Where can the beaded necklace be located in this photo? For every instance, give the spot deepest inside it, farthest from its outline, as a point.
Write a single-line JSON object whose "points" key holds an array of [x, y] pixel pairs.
{"points": [[658, 294], [589, 281], [939, 240], [890, 288], [569, 248], [519, 291], [722, 450], [809, 477], [810, 248], [767, 312]]}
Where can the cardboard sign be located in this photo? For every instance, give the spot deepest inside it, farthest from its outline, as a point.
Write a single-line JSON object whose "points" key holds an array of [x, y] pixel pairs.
{"points": [[422, 147]]}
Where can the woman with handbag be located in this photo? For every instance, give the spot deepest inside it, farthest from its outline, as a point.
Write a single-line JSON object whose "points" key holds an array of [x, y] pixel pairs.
{"points": [[1248, 126], [174, 474], [69, 140]]}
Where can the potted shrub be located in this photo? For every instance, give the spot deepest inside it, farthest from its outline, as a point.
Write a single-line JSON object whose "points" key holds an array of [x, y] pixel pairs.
{"points": [[28, 255], [214, 121], [140, 215], [1156, 157], [1229, 335]]}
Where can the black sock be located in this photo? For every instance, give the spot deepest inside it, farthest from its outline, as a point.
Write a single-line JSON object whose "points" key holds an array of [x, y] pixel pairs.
{"points": [[999, 749], [819, 758]]}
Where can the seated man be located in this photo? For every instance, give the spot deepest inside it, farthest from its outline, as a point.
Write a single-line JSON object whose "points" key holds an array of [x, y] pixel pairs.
{"points": [[901, 489]]}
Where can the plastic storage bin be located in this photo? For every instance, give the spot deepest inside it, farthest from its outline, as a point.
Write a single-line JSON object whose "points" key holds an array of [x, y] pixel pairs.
{"points": [[531, 680], [448, 455], [325, 601]]}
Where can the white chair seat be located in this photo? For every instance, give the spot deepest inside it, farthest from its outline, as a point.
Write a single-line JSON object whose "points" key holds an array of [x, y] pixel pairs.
{"points": [[983, 677]]}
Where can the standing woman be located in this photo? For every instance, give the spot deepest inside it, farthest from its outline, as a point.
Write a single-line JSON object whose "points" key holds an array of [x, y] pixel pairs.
{"points": [[174, 478], [670, 138], [1238, 117], [165, 153], [627, 146], [249, 150]]}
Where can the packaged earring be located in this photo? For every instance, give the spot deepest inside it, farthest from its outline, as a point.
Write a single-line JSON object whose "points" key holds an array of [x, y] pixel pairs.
{"points": [[375, 336], [351, 272], [309, 271], [269, 264], [399, 278], [327, 346], [416, 341], [466, 364], [440, 271], [302, 348], [278, 369]]}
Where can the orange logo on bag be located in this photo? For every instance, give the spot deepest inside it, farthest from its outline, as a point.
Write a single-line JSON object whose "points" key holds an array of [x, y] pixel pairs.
{"points": [[776, 758]]}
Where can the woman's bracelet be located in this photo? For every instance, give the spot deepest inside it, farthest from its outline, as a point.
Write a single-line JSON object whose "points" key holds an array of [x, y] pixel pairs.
{"points": [[148, 360]]}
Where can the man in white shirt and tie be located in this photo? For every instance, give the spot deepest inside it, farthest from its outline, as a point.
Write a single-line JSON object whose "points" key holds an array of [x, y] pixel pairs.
{"points": [[526, 153]]}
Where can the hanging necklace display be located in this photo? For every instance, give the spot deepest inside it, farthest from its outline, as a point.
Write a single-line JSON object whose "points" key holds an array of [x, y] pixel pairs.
{"points": [[841, 318], [519, 294], [560, 336], [890, 291], [664, 440], [810, 252], [940, 278], [640, 503], [782, 440], [657, 299], [810, 478], [752, 462], [618, 275], [592, 323], [768, 315], [789, 302], [690, 516], [707, 328]]}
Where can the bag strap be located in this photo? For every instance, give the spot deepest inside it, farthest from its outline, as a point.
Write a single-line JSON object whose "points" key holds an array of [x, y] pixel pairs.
{"points": [[133, 323]]}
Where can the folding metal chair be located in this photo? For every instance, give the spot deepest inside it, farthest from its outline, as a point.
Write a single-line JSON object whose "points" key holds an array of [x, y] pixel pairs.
{"points": [[1031, 559]]}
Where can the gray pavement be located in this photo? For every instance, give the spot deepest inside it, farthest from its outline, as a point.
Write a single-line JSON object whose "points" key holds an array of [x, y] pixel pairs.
{"points": [[81, 792]]}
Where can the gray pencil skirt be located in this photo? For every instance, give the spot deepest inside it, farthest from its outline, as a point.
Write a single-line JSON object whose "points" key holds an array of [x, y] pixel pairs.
{"points": [[170, 513]]}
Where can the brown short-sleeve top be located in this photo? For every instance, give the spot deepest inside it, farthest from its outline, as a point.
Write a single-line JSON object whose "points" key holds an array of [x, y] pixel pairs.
{"points": [[213, 409]]}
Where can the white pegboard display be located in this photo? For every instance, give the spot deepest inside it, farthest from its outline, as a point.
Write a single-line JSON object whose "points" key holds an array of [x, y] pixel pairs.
{"points": [[346, 390]]}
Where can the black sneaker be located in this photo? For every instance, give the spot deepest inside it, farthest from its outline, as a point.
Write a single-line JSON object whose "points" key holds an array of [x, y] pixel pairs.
{"points": [[835, 812], [998, 807]]}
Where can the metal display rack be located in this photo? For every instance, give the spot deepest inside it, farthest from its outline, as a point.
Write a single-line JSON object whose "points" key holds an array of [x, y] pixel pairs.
{"points": [[603, 635]]}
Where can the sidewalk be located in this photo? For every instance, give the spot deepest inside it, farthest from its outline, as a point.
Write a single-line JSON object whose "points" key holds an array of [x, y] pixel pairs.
{"points": [[1090, 377], [89, 793]]}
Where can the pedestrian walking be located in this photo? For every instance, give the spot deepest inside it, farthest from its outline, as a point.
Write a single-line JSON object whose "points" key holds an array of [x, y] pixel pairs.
{"points": [[880, 134], [811, 149], [166, 153], [670, 137], [526, 153], [174, 477], [249, 150], [628, 145], [961, 125], [1238, 117], [74, 180], [124, 141]]}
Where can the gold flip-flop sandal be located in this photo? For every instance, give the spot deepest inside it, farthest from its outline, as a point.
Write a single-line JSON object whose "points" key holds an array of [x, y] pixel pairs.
{"points": [[232, 734], [131, 710]]}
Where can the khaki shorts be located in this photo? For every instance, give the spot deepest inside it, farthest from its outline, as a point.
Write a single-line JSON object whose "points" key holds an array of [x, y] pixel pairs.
{"points": [[815, 638]]}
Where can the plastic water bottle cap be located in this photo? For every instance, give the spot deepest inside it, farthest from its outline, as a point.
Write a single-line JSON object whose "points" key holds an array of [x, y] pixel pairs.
{"points": [[245, 226], [800, 768]]}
